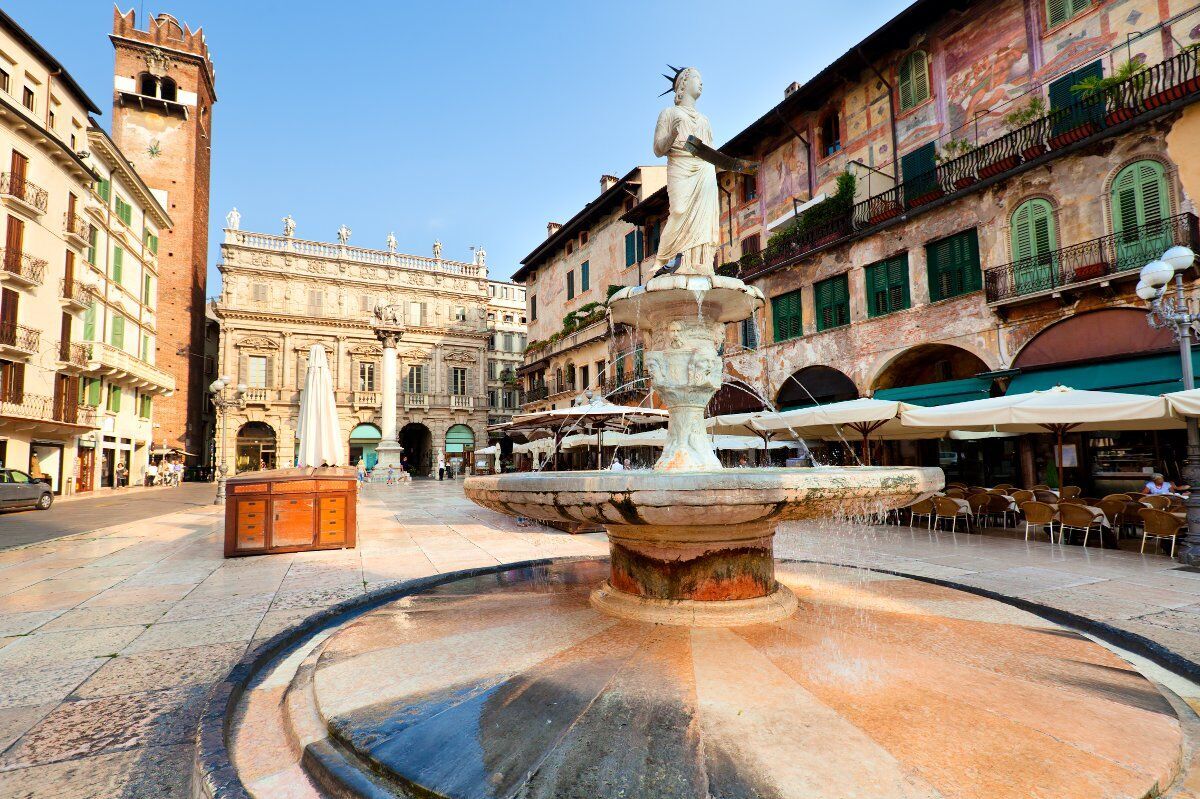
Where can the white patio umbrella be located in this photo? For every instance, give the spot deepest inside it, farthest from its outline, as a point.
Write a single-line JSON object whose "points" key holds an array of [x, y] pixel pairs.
{"points": [[1184, 403], [1058, 410], [592, 415], [320, 438]]}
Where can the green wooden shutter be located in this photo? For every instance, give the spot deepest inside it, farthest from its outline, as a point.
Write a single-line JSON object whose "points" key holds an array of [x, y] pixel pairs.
{"points": [[630, 248], [584, 277], [887, 286], [1140, 202], [89, 323], [953, 266], [117, 337], [832, 302], [918, 170], [641, 245], [104, 189], [914, 80], [1059, 11], [93, 392], [91, 253], [118, 264], [786, 316]]}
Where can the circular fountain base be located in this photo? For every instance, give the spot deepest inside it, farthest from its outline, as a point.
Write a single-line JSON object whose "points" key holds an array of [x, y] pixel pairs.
{"points": [[510, 684], [778, 604]]}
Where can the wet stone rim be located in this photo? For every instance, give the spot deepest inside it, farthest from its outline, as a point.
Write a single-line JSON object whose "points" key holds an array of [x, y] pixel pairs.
{"points": [[213, 772]]}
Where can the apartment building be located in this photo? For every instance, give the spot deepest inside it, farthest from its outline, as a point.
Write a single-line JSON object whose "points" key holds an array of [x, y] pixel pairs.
{"points": [[506, 319]]}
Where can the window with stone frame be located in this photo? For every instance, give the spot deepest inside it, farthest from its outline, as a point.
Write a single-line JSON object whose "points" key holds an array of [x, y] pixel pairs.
{"points": [[257, 374], [259, 292], [366, 375], [491, 370], [458, 381], [414, 381]]}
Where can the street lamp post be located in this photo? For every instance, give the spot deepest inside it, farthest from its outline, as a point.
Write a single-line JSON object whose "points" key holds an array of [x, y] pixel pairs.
{"points": [[222, 403], [1175, 314]]}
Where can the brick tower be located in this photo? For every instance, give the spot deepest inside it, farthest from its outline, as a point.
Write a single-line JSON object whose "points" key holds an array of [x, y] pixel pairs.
{"points": [[162, 121]]}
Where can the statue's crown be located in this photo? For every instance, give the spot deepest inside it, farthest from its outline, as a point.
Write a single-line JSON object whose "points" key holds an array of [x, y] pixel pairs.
{"points": [[672, 78]]}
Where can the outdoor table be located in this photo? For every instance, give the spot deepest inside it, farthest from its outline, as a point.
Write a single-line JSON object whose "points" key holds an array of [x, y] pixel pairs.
{"points": [[1098, 513]]}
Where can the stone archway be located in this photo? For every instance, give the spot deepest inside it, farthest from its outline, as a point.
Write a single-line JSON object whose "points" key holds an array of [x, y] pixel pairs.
{"points": [[459, 447], [364, 438], [929, 363], [256, 447], [815, 385], [417, 442]]}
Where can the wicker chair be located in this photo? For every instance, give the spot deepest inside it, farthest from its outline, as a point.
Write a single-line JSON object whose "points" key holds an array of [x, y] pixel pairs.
{"points": [[1039, 514], [1041, 487], [1070, 491], [1005, 487], [1077, 517], [959, 493], [1000, 507], [947, 508], [1072, 501], [1159, 524], [979, 504], [1021, 496], [1114, 509], [921, 509], [1122, 497], [1157, 501], [1046, 496]]}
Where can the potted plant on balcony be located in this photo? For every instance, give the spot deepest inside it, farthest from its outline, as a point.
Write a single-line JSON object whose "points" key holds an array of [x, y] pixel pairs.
{"points": [[1120, 91], [961, 169], [1023, 117], [1187, 63]]}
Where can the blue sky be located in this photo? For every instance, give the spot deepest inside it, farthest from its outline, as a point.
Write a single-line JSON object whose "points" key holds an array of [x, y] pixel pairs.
{"points": [[472, 122]]}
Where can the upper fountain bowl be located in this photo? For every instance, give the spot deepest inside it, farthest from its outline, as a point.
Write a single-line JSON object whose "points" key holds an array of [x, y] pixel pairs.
{"points": [[717, 299], [712, 499]]}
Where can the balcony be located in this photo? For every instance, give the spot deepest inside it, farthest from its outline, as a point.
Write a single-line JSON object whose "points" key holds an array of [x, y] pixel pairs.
{"points": [[1158, 90], [72, 356], [76, 296], [18, 341], [48, 415], [18, 193], [415, 400], [116, 364], [1095, 262], [21, 268], [624, 385], [257, 396], [537, 393], [76, 230], [367, 399], [462, 401]]}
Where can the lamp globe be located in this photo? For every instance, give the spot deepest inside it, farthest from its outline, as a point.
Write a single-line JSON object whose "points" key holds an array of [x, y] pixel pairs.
{"points": [[1157, 273], [1179, 257], [1146, 291]]}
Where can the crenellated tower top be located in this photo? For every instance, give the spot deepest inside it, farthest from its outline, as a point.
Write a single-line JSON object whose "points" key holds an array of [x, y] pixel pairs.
{"points": [[165, 32]]}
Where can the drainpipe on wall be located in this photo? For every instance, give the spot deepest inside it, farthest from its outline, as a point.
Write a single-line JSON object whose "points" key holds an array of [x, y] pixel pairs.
{"points": [[891, 114]]}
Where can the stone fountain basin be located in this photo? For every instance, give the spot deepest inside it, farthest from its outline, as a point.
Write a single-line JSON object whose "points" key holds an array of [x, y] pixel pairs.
{"points": [[717, 298], [709, 499]]}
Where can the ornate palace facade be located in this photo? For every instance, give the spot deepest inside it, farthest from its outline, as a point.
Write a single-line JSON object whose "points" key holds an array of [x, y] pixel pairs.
{"points": [[280, 295]]}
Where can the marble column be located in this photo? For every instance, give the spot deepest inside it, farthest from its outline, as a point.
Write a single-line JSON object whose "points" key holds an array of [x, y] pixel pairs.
{"points": [[389, 450]]}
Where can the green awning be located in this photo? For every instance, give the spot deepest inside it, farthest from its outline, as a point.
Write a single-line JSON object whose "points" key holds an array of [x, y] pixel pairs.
{"points": [[1149, 374], [365, 432], [946, 392]]}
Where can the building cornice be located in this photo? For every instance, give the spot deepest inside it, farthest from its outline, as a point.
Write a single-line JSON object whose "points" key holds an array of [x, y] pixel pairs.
{"points": [[183, 55]]}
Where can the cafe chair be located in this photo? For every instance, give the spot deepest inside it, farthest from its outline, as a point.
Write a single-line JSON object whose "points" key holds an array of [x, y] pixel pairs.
{"points": [[1077, 517], [1005, 487], [1158, 524], [1114, 509], [1041, 487], [1072, 501], [960, 493], [1070, 491], [1045, 495], [1121, 497], [947, 508], [979, 506], [1157, 501], [1039, 514], [922, 509], [1021, 496], [1001, 507]]}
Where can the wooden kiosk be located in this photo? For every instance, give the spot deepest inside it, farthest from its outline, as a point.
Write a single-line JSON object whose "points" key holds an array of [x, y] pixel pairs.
{"points": [[290, 510]]}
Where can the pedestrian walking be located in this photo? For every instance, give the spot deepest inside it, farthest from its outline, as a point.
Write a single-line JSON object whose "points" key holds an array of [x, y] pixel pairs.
{"points": [[151, 473], [121, 475], [361, 470], [391, 475], [441, 463]]}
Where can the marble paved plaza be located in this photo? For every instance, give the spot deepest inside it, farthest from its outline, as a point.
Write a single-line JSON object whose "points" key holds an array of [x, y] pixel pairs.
{"points": [[112, 638]]}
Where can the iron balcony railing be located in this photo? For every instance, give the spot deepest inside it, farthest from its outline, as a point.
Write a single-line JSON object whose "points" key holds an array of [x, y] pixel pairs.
{"points": [[76, 292], [537, 393], [76, 225], [19, 337], [29, 193], [23, 265], [73, 353], [1113, 254], [1175, 79], [58, 408]]}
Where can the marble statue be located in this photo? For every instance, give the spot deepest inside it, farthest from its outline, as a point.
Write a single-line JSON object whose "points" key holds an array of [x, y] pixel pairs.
{"points": [[233, 219], [480, 256], [693, 226], [437, 249], [289, 226], [387, 314], [391, 242], [344, 235]]}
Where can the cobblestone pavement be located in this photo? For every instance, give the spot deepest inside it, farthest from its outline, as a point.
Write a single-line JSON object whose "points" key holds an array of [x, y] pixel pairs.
{"points": [[110, 639]]}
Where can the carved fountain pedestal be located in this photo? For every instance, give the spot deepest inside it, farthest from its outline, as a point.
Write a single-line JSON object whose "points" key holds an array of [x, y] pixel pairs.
{"points": [[691, 542]]}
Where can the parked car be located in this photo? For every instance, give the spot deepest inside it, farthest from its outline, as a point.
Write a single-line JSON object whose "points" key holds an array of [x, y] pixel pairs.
{"points": [[19, 490]]}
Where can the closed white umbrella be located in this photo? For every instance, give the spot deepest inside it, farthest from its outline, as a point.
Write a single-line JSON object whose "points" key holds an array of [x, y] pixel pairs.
{"points": [[320, 438]]}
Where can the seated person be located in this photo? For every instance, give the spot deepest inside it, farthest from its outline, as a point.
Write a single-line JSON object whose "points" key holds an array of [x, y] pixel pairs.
{"points": [[1158, 485]]}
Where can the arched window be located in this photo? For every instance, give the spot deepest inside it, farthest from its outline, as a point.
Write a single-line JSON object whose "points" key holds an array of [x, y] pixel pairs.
{"points": [[1034, 242], [147, 85], [914, 79], [1140, 203], [167, 90]]}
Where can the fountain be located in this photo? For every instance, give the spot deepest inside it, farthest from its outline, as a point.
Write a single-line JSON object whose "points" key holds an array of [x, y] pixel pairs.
{"points": [[690, 663], [690, 541]]}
